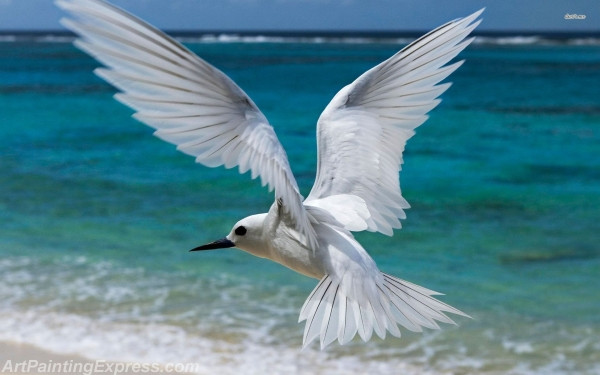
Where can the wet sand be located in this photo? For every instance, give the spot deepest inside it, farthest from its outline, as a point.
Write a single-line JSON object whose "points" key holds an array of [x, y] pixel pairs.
{"points": [[24, 359]]}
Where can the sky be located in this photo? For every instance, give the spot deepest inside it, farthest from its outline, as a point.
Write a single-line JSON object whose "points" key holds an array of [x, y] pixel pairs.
{"points": [[295, 15]]}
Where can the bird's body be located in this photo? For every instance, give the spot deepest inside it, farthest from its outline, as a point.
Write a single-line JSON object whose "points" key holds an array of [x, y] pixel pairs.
{"points": [[361, 135], [280, 242], [270, 237]]}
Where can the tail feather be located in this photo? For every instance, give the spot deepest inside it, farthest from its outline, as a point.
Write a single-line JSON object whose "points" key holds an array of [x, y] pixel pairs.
{"points": [[390, 321], [379, 325], [348, 326], [330, 320], [423, 295], [413, 309], [334, 311], [361, 327], [313, 310]]}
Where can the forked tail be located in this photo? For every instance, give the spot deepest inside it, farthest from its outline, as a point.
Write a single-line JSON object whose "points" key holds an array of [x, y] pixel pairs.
{"points": [[338, 310]]}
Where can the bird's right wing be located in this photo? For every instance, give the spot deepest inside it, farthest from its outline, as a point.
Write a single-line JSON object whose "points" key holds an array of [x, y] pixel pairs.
{"points": [[362, 133], [189, 102]]}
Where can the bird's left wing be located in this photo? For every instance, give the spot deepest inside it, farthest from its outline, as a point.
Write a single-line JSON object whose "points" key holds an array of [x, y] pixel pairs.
{"points": [[189, 102], [362, 133]]}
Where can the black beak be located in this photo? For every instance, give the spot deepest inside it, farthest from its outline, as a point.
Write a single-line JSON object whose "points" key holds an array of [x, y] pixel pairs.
{"points": [[218, 244]]}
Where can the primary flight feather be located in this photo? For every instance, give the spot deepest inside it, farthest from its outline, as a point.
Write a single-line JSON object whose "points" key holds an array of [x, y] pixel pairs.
{"points": [[361, 135]]}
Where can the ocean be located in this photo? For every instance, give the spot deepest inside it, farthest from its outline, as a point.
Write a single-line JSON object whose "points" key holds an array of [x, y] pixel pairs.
{"points": [[97, 216]]}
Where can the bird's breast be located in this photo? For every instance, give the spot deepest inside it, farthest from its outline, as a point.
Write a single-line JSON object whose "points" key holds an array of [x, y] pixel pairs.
{"points": [[292, 254]]}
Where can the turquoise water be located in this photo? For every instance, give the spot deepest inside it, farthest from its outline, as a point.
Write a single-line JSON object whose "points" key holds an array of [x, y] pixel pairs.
{"points": [[96, 216]]}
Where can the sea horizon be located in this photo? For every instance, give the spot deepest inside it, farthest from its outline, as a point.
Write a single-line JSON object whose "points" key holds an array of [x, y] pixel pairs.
{"points": [[513, 37]]}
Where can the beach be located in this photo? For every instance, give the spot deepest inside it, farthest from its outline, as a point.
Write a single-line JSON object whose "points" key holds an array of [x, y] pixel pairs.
{"points": [[97, 216], [21, 359]]}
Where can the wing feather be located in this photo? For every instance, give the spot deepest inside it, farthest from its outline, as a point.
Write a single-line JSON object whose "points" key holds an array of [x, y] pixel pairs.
{"points": [[189, 102], [362, 133]]}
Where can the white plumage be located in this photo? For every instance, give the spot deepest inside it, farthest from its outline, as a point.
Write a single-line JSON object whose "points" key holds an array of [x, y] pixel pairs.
{"points": [[361, 135]]}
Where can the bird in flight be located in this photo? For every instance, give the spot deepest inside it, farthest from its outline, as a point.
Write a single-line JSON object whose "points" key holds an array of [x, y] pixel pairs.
{"points": [[361, 135]]}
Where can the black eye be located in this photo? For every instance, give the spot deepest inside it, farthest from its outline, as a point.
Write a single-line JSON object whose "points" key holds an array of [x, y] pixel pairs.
{"points": [[241, 230]]}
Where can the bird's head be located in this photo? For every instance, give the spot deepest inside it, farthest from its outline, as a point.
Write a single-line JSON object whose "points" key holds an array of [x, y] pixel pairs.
{"points": [[246, 234]]}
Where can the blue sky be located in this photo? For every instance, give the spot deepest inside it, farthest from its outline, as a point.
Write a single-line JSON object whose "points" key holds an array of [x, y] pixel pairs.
{"points": [[503, 15]]}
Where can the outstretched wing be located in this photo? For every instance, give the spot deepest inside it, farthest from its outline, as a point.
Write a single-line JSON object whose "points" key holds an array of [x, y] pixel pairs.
{"points": [[189, 102], [361, 134]]}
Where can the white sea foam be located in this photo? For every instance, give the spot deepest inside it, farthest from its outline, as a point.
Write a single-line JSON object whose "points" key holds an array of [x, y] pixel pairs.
{"points": [[509, 40], [164, 344], [8, 38], [584, 41], [133, 322], [101, 310], [258, 352], [536, 40], [234, 38], [517, 347], [515, 40], [54, 39], [168, 344]]}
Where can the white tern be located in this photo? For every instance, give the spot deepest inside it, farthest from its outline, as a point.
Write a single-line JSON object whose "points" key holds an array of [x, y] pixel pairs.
{"points": [[361, 135]]}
